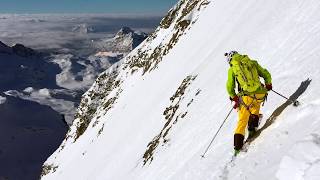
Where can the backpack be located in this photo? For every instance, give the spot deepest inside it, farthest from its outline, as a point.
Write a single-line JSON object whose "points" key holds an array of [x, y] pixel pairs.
{"points": [[246, 73]]}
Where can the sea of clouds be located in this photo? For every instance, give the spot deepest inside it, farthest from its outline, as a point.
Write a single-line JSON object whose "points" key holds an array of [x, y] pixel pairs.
{"points": [[68, 33]]}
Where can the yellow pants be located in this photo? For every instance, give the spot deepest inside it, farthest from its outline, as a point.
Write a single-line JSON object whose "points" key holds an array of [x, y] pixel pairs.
{"points": [[252, 103]]}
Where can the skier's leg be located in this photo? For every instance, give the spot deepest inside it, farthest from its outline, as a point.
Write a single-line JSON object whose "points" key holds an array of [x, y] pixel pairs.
{"points": [[238, 141], [253, 122], [255, 110], [242, 124]]}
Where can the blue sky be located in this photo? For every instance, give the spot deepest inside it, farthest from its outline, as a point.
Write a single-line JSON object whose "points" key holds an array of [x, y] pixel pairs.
{"points": [[86, 6]]}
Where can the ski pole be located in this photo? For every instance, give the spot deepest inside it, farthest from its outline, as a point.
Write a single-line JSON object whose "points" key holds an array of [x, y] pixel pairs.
{"points": [[217, 133], [295, 103]]}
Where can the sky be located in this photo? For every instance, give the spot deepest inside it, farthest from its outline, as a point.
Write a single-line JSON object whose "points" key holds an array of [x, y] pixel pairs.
{"points": [[86, 6]]}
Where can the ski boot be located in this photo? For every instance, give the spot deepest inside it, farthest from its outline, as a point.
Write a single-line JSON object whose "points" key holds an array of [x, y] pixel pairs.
{"points": [[236, 152], [253, 124], [252, 133]]}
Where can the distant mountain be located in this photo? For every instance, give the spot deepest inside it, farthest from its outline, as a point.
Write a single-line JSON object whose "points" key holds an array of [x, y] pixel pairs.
{"points": [[124, 41], [78, 73], [25, 123], [23, 67], [4, 49], [18, 49], [26, 73], [39, 93], [29, 133], [83, 29], [23, 51]]}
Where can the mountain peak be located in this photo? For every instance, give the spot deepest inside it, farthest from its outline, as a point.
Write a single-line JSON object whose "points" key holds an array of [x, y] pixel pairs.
{"points": [[83, 29], [124, 41], [21, 50], [4, 48], [125, 30]]}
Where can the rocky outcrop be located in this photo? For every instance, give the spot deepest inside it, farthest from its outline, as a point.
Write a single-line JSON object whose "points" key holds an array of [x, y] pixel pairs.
{"points": [[124, 41]]}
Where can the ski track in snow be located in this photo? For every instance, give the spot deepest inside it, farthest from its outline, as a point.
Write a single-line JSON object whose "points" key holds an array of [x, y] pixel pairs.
{"points": [[225, 170]]}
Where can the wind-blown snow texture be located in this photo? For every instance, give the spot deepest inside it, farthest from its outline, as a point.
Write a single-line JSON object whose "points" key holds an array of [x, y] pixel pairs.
{"points": [[153, 116]]}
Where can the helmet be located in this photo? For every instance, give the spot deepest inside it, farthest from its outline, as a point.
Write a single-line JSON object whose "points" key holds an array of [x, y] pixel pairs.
{"points": [[229, 55]]}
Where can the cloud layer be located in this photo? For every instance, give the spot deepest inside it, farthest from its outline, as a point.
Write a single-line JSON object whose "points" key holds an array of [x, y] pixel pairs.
{"points": [[68, 33]]}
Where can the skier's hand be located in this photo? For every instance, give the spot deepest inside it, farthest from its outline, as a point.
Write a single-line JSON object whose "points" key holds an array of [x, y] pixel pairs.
{"points": [[269, 87], [236, 102]]}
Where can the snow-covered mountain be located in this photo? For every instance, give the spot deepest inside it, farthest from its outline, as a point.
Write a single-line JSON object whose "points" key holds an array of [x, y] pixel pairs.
{"points": [[4, 48], [29, 133], [124, 41], [82, 29], [152, 115], [22, 67], [28, 123], [44, 89], [31, 75], [79, 73], [59, 80]]}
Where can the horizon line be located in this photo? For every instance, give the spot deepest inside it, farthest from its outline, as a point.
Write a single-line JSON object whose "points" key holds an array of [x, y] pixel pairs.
{"points": [[93, 14]]}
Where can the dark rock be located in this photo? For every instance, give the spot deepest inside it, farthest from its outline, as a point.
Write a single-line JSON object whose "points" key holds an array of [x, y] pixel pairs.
{"points": [[23, 51], [5, 49]]}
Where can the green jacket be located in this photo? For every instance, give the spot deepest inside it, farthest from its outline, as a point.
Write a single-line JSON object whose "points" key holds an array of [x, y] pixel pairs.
{"points": [[231, 83]]}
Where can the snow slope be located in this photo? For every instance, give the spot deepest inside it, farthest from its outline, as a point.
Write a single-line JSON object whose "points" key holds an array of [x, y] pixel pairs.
{"points": [[154, 115]]}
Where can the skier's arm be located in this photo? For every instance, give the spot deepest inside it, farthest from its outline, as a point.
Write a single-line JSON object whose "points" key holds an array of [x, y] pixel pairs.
{"points": [[231, 83], [264, 73]]}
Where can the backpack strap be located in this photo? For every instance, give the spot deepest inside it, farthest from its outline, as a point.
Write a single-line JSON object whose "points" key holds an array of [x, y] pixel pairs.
{"points": [[240, 90]]}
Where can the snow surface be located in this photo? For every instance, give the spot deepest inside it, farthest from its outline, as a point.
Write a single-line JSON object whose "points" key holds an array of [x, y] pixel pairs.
{"points": [[282, 35]]}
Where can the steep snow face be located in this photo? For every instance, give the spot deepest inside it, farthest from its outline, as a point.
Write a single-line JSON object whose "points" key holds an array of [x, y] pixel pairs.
{"points": [[152, 116]]}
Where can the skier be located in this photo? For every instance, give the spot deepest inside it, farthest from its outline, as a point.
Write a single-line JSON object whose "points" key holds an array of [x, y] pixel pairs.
{"points": [[246, 74]]}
